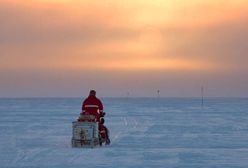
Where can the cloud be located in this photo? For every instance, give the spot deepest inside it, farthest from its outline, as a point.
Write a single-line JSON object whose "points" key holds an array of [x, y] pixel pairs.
{"points": [[39, 33], [136, 45], [224, 44], [41, 25]]}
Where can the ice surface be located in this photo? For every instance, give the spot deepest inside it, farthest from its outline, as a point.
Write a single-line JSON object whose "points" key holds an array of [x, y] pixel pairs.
{"points": [[145, 132]]}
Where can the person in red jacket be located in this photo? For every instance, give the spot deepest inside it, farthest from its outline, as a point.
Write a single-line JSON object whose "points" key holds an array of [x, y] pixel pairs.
{"points": [[104, 133], [93, 106]]}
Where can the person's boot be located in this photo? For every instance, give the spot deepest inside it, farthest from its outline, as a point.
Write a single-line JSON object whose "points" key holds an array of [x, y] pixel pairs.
{"points": [[107, 141]]}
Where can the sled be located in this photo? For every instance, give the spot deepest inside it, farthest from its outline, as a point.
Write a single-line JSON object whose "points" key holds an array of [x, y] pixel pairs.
{"points": [[85, 133]]}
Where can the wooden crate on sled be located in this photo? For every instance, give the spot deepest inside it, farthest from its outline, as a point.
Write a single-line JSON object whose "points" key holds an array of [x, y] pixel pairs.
{"points": [[85, 134]]}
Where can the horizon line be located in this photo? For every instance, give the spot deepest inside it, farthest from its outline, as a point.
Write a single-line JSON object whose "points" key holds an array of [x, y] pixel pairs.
{"points": [[125, 97]]}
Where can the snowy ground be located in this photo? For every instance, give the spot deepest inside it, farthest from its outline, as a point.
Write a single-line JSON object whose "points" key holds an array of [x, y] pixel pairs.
{"points": [[145, 132]]}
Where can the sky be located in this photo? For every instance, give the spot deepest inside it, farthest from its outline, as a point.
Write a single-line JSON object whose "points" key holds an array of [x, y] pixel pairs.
{"points": [[64, 48]]}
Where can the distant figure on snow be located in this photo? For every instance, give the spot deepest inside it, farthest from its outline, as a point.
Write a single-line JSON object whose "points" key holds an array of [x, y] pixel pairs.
{"points": [[104, 132], [93, 106]]}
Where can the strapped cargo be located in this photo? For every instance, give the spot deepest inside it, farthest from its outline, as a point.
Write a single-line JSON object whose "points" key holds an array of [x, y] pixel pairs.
{"points": [[85, 134]]}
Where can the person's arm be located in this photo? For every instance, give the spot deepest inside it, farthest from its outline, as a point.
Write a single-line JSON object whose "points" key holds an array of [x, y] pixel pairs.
{"points": [[101, 109], [100, 106], [83, 107]]}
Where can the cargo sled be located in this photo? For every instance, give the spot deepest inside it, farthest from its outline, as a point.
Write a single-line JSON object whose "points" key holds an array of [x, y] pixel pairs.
{"points": [[85, 133]]}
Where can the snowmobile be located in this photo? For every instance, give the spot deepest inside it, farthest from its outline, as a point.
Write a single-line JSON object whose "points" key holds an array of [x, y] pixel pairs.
{"points": [[86, 134]]}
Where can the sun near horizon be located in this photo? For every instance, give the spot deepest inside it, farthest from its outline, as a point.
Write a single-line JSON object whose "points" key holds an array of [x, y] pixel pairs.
{"points": [[65, 47]]}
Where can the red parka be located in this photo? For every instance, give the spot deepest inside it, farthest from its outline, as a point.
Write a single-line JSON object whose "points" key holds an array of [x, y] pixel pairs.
{"points": [[103, 131], [93, 106]]}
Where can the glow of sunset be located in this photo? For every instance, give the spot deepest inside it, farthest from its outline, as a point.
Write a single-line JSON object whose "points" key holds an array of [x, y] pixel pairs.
{"points": [[175, 45], [115, 34]]}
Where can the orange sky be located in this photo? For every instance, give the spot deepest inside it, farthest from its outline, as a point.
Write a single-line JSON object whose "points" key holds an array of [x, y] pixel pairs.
{"points": [[132, 37]]}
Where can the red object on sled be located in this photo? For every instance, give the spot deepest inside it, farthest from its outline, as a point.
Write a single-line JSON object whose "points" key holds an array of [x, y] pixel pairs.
{"points": [[103, 131], [93, 106]]}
